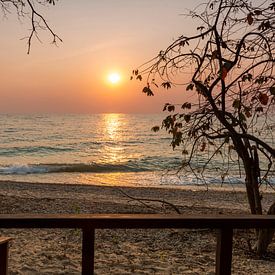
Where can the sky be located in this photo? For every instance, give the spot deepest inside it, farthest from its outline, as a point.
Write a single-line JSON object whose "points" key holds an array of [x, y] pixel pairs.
{"points": [[99, 37]]}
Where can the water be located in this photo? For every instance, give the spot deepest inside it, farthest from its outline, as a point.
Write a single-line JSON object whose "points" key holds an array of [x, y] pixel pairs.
{"points": [[113, 149]]}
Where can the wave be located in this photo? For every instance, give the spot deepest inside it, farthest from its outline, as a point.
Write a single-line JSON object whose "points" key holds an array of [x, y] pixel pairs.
{"points": [[60, 148], [69, 168], [152, 163], [33, 150]]}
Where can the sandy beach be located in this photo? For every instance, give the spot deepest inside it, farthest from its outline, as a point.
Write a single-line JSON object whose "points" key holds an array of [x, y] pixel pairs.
{"points": [[168, 251]]}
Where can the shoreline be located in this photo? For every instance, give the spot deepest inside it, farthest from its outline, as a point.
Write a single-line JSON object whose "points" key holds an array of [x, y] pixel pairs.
{"points": [[54, 251], [195, 187]]}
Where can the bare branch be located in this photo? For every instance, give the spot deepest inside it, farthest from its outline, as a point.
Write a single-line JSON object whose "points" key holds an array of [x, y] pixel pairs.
{"points": [[26, 8], [142, 200]]}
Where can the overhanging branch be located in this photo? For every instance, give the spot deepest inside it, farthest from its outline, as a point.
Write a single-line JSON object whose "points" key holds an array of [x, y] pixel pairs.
{"points": [[260, 142]]}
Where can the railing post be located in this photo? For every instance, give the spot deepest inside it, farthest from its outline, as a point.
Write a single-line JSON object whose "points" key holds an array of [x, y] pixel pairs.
{"points": [[4, 255], [88, 240], [224, 251]]}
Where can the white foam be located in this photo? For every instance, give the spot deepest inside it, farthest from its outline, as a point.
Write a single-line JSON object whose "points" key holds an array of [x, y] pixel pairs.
{"points": [[21, 169]]}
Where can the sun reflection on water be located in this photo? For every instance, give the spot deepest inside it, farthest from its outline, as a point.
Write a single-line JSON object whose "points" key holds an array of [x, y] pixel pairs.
{"points": [[112, 122], [113, 151]]}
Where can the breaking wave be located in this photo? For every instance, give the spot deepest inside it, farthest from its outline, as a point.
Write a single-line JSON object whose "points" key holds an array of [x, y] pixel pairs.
{"points": [[69, 168]]}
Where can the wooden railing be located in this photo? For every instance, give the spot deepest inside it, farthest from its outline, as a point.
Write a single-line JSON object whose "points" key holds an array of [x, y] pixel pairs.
{"points": [[88, 223]]}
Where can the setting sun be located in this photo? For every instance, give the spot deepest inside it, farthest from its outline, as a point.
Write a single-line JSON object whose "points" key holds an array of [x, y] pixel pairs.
{"points": [[114, 78]]}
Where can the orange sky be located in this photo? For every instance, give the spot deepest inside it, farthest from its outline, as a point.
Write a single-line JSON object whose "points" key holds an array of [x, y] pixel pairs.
{"points": [[100, 37]]}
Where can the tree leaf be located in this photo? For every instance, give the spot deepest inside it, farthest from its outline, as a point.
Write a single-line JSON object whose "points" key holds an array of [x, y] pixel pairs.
{"points": [[187, 118], [249, 19], [155, 129], [215, 54], [171, 108], [179, 125], [51, 1], [190, 87], [259, 109], [139, 77], [263, 98], [166, 85], [247, 113], [236, 104], [247, 77], [224, 73], [258, 12], [203, 145], [186, 105], [200, 28], [148, 91], [272, 90], [165, 106], [177, 138]]}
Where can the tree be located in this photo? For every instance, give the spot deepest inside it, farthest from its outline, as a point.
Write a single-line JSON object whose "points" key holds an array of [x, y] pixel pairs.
{"points": [[229, 65], [27, 8]]}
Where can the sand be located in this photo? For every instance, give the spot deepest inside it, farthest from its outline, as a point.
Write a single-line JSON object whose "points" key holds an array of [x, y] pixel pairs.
{"points": [[169, 251]]}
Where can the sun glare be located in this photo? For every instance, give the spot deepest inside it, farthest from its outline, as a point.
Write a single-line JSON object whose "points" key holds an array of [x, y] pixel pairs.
{"points": [[114, 78]]}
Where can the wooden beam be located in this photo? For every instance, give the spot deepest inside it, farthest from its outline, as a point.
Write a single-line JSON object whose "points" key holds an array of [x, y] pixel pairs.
{"points": [[4, 255], [224, 251], [88, 251], [101, 221]]}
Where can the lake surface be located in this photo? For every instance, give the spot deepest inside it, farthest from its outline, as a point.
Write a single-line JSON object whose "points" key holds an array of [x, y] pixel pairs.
{"points": [[113, 149]]}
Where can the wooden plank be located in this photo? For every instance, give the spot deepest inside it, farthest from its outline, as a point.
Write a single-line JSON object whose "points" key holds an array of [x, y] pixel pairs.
{"points": [[135, 221], [224, 251], [4, 240], [88, 240], [4, 255]]}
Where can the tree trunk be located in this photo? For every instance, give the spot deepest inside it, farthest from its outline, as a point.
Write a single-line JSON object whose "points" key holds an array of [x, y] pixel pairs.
{"points": [[265, 235], [252, 186]]}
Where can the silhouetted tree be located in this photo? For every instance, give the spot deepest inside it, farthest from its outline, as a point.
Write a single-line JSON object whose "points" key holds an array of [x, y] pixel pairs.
{"points": [[27, 8], [228, 64]]}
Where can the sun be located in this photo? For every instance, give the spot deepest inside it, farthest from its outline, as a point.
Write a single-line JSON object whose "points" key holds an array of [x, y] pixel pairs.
{"points": [[114, 78]]}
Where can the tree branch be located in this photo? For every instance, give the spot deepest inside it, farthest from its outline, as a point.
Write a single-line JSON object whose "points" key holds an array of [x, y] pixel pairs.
{"points": [[141, 200], [260, 142], [36, 25]]}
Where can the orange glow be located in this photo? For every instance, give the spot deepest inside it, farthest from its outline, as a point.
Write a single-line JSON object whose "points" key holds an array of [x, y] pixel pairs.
{"points": [[90, 73], [114, 78]]}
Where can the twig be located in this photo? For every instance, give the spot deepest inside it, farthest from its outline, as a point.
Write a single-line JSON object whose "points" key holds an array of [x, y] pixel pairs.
{"points": [[142, 200], [36, 25]]}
